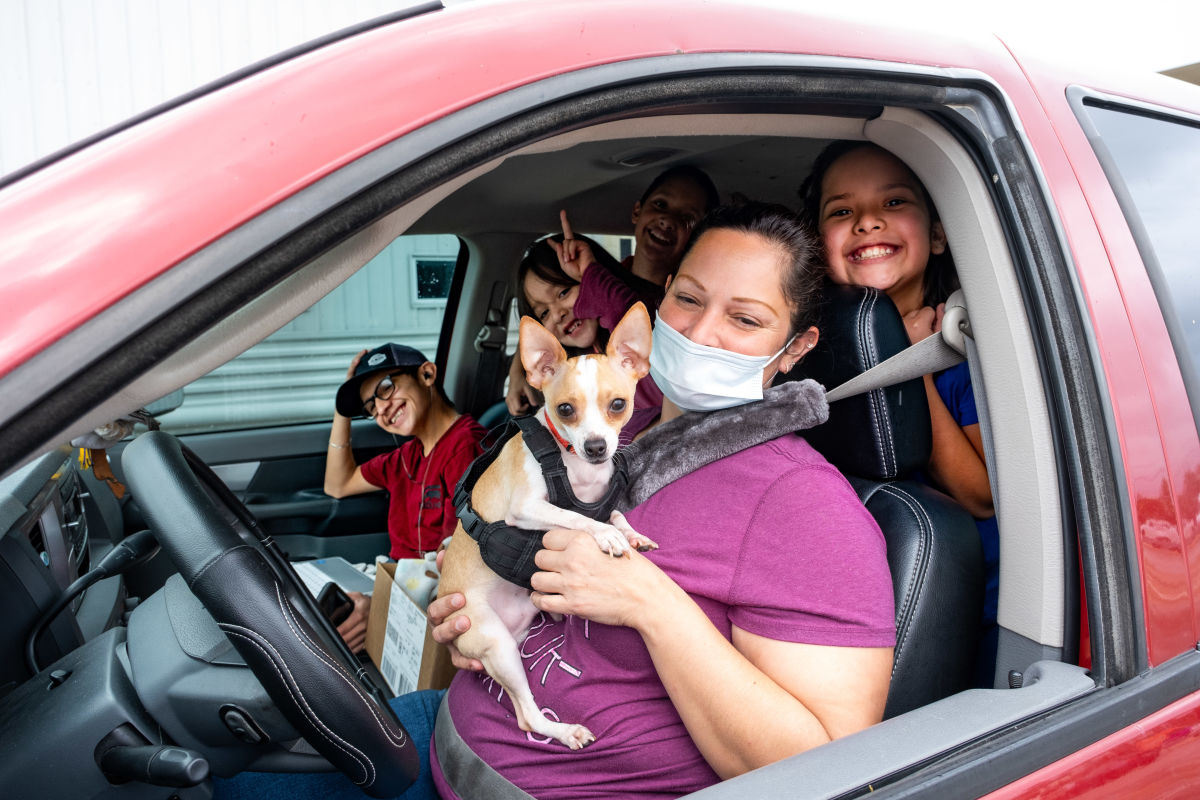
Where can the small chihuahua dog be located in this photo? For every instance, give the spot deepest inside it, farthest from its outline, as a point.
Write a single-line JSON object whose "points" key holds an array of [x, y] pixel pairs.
{"points": [[588, 400]]}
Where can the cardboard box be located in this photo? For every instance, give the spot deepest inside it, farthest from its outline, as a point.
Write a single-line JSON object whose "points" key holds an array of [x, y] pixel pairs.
{"points": [[399, 640]]}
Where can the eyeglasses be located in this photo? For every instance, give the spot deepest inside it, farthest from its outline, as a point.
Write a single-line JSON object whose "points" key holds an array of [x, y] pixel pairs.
{"points": [[383, 390]]}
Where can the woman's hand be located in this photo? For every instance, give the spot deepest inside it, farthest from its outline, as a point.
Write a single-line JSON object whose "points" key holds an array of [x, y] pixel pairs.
{"points": [[579, 578], [574, 255], [446, 632]]}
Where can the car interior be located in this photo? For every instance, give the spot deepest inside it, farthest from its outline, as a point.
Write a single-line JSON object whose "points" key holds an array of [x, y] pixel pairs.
{"points": [[496, 198]]}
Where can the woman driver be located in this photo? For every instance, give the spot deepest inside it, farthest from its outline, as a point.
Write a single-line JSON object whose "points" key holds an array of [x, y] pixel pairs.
{"points": [[763, 626]]}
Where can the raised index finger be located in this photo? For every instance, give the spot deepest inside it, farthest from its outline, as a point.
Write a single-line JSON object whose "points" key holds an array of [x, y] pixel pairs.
{"points": [[566, 225]]}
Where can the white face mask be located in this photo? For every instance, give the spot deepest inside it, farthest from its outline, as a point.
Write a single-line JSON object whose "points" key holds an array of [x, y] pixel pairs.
{"points": [[696, 377]]}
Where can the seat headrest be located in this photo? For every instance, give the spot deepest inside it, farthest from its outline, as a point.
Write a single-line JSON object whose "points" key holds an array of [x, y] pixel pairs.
{"points": [[883, 434]]}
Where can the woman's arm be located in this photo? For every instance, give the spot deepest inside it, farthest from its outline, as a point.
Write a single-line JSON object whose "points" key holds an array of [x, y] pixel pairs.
{"points": [[606, 297], [726, 693]]}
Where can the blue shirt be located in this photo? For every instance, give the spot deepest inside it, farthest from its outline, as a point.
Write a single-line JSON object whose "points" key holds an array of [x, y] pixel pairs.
{"points": [[954, 387]]}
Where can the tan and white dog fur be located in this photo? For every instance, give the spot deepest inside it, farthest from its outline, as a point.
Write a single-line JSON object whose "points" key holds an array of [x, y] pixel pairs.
{"points": [[589, 399]]}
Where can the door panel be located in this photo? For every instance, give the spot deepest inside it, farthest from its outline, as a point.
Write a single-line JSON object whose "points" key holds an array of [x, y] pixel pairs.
{"points": [[284, 491]]}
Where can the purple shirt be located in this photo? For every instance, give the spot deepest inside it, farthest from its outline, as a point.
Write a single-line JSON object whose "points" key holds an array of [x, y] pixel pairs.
{"points": [[771, 539]]}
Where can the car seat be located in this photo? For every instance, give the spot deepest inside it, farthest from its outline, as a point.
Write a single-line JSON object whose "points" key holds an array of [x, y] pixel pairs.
{"points": [[879, 439]]}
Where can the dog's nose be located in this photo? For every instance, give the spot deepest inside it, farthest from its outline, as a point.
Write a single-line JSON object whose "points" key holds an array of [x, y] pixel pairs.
{"points": [[595, 448]]}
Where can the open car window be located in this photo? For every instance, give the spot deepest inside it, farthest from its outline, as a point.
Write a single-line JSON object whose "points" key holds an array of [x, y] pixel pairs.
{"points": [[291, 376]]}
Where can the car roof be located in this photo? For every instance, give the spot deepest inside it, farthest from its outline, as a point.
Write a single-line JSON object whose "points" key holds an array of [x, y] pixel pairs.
{"points": [[103, 221]]}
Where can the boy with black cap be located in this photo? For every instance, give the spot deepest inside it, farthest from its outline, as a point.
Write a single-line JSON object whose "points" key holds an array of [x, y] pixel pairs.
{"points": [[397, 386]]}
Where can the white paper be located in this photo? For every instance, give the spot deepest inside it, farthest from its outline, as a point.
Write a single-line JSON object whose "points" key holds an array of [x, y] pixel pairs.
{"points": [[403, 642], [314, 579]]}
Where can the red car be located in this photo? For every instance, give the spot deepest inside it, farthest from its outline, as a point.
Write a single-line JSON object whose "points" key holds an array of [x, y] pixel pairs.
{"points": [[241, 243]]}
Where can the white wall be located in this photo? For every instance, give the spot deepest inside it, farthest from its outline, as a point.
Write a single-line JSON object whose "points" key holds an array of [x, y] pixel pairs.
{"points": [[71, 68]]}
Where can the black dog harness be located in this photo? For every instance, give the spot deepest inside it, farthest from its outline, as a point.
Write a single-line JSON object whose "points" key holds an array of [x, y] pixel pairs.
{"points": [[508, 550]]}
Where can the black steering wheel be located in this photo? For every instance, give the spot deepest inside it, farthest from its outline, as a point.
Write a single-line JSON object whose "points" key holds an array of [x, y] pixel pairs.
{"points": [[311, 680]]}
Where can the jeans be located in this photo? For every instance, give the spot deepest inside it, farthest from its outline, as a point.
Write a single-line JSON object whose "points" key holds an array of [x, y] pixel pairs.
{"points": [[417, 712]]}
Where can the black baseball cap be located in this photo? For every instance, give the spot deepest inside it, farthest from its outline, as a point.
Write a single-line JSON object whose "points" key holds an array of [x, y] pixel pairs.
{"points": [[390, 357]]}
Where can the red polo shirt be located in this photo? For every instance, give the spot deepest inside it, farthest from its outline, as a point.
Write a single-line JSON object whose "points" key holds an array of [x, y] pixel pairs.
{"points": [[421, 506]]}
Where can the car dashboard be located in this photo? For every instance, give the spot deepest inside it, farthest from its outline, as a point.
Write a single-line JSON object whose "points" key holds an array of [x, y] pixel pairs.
{"points": [[53, 533]]}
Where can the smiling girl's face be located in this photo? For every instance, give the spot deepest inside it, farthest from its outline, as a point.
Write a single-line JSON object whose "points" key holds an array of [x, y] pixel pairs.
{"points": [[553, 305], [876, 227]]}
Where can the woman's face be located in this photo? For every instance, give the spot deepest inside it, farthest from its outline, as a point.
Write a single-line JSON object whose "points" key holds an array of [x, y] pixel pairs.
{"points": [[554, 306], [876, 227], [728, 293], [663, 223]]}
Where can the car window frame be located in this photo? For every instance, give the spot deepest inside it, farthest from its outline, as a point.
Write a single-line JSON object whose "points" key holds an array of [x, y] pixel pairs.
{"points": [[1080, 100]]}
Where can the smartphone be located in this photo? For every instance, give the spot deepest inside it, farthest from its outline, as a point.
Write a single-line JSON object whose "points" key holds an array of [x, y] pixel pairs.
{"points": [[334, 604]]}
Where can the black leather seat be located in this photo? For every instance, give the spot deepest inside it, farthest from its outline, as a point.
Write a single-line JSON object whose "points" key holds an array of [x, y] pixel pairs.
{"points": [[878, 439]]}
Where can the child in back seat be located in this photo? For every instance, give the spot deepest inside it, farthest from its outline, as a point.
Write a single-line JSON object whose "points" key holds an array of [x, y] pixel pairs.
{"points": [[580, 312], [879, 228], [590, 302]]}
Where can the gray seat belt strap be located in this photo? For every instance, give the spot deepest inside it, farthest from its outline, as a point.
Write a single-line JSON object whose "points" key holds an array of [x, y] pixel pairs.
{"points": [[467, 773], [931, 354], [985, 423]]}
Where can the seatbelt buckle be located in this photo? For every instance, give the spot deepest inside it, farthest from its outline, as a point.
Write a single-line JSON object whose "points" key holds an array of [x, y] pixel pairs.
{"points": [[956, 325], [490, 337]]}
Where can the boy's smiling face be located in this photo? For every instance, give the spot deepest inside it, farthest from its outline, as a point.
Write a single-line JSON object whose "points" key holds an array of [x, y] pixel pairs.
{"points": [[876, 227], [664, 222], [405, 409]]}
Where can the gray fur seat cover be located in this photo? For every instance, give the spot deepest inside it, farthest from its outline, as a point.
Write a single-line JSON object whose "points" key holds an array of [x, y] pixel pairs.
{"points": [[670, 450]]}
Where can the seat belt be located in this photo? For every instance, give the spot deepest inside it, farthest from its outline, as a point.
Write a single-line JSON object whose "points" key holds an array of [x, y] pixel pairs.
{"points": [[985, 419], [931, 354], [489, 343], [462, 768], [955, 344]]}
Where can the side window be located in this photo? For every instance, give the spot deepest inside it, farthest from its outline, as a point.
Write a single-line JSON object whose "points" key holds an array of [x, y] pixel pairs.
{"points": [[291, 376], [1153, 164]]}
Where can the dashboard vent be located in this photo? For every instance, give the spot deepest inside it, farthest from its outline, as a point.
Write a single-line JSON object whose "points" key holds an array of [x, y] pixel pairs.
{"points": [[37, 539]]}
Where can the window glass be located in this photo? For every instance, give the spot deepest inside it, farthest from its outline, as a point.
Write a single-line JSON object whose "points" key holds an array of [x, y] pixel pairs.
{"points": [[1154, 165], [292, 375]]}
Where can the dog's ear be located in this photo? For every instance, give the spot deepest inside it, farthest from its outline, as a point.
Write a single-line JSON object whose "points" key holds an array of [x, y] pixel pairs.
{"points": [[629, 343], [541, 354]]}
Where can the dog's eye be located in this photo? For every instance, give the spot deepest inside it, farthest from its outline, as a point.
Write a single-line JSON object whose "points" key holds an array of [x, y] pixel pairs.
{"points": [[617, 406], [565, 410]]}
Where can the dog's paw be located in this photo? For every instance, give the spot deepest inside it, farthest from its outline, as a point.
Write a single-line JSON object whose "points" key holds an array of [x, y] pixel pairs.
{"points": [[577, 737], [636, 540], [642, 544], [611, 541]]}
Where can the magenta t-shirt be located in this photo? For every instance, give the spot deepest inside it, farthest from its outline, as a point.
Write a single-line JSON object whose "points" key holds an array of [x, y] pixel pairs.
{"points": [[771, 539]]}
